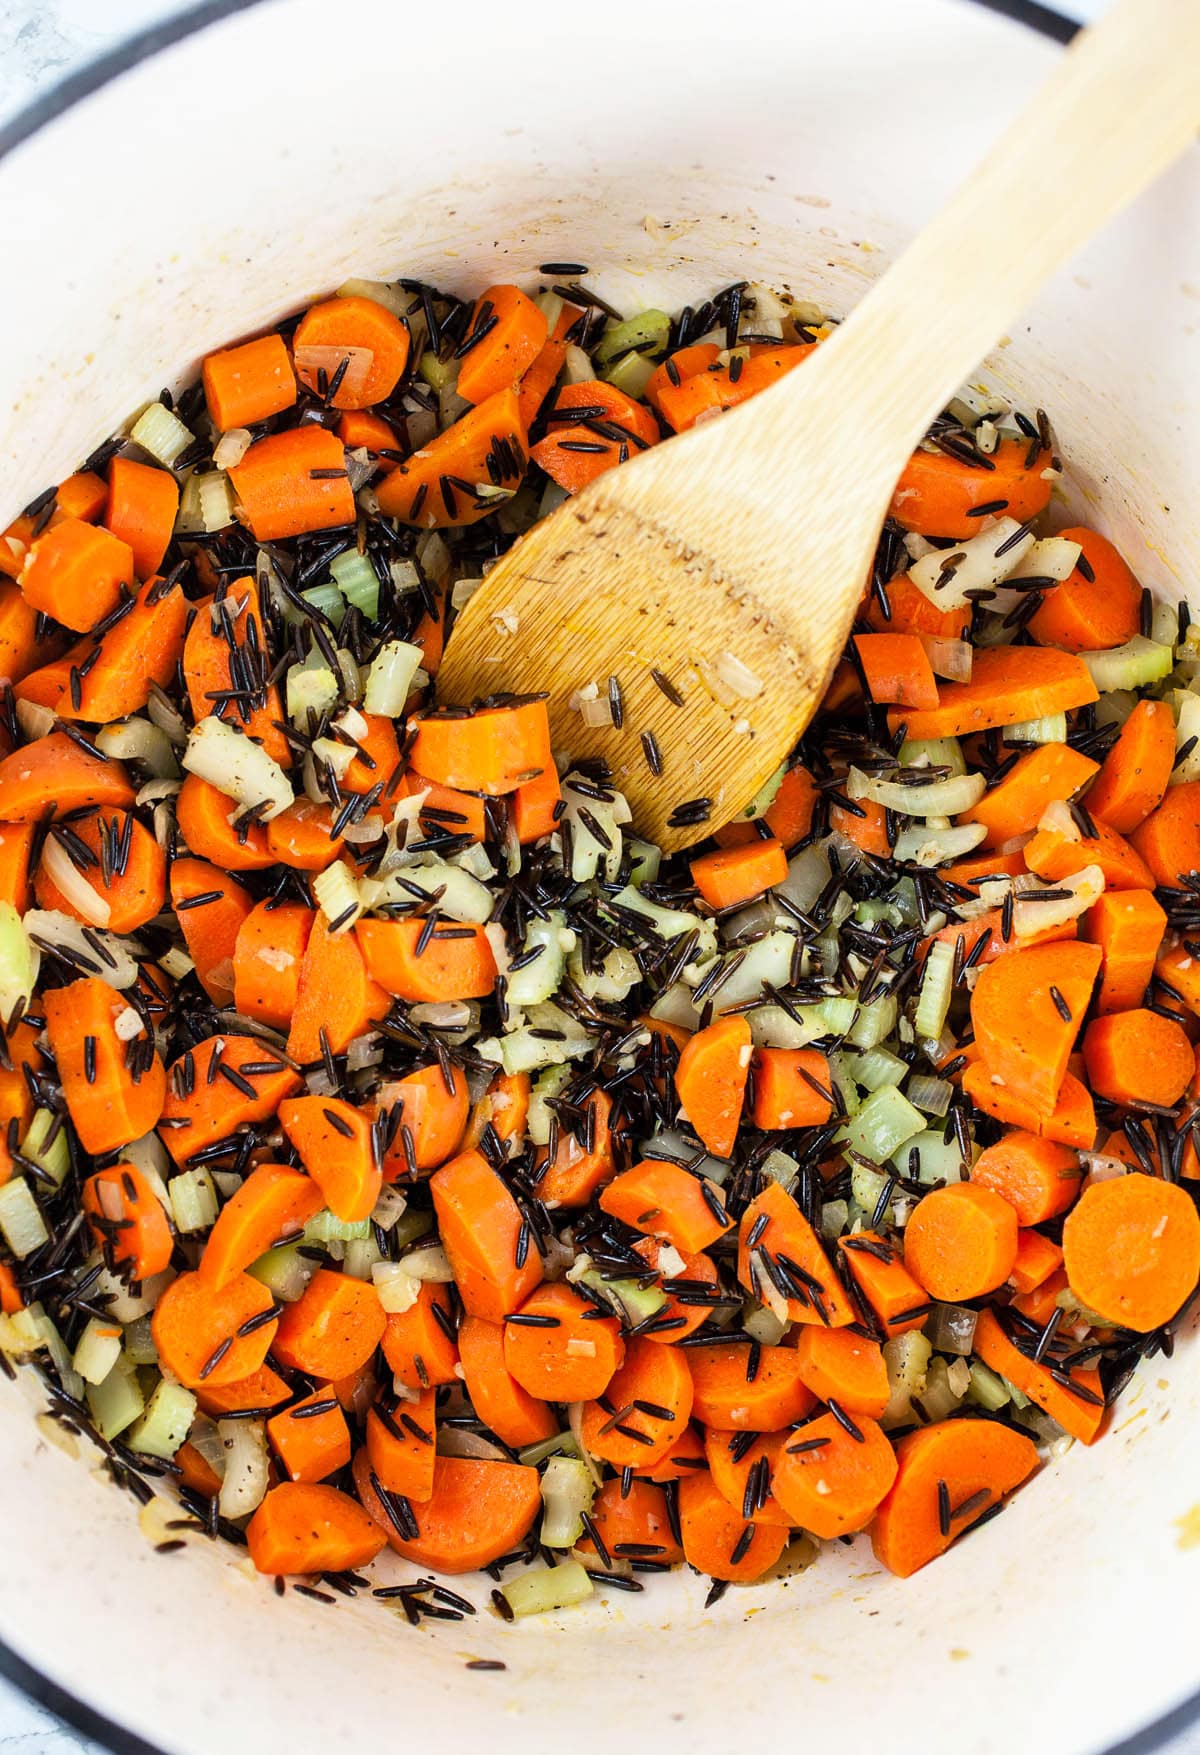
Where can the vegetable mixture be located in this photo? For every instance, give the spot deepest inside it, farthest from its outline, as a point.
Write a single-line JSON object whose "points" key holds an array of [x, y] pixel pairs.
{"points": [[396, 1149]]}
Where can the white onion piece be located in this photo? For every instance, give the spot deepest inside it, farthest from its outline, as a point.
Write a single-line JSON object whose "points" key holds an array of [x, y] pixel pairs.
{"points": [[950, 659], [54, 928], [74, 888], [246, 1466], [941, 798], [237, 766], [974, 564], [1084, 888], [231, 447], [35, 720], [453, 1441]]}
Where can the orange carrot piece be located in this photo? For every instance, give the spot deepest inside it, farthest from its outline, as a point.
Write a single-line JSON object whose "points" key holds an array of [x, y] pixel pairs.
{"points": [[479, 1222], [909, 611], [203, 815], [423, 490], [1071, 1121], [711, 1081], [1168, 840], [979, 1461], [679, 1460], [969, 873], [55, 771], [211, 908], [1137, 769], [1020, 1030], [282, 489], [739, 874], [506, 334], [793, 1087], [135, 893], [430, 633], [788, 816], [307, 1527], [360, 431], [639, 1519], [516, 1417], [75, 573], [1008, 683], [16, 1099], [533, 805], [311, 1446], [121, 1197], [678, 1319], [937, 495], [1042, 776], [197, 1330], [866, 825], [249, 383], [108, 1105], [268, 954], [662, 1199], [20, 649], [1180, 970], [79, 496], [432, 1124], [897, 670], [539, 379], [332, 1328], [196, 1472], [706, 393], [302, 836], [262, 1388], [714, 1532], [16, 845], [1131, 1250], [215, 1107], [1091, 609], [897, 1299], [843, 1367], [651, 1378], [1037, 1259], [378, 757], [142, 506], [416, 1345], [448, 967], [371, 340], [961, 1241], [1079, 1410], [401, 1446], [1057, 853], [493, 750], [789, 1239], [337, 1148], [141, 649], [572, 1361], [505, 1105], [725, 1396], [272, 1206], [558, 452], [834, 1488], [1037, 1178], [730, 1462], [478, 1511], [445, 810], [337, 998], [1128, 925], [685, 362], [1138, 1056], [208, 666], [573, 1175], [990, 926]]}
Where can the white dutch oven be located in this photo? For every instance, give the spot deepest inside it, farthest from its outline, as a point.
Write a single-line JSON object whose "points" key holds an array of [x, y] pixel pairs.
{"points": [[201, 188]]}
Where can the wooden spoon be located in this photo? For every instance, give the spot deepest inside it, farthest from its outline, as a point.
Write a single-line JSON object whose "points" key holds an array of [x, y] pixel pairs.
{"points": [[753, 535]]}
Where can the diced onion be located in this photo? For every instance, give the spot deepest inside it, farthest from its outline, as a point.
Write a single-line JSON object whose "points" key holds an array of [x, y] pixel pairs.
{"points": [[139, 740], [941, 798], [398, 1289], [231, 447], [337, 894], [54, 928], [923, 845], [67, 878], [247, 1467], [35, 720], [18, 960], [237, 766], [430, 1263], [951, 659], [974, 564], [1084, 888]]}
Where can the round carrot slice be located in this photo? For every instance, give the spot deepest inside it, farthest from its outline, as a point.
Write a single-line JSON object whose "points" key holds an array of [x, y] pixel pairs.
{"points": [[645, 1408], [306, 1527], [831, 1475], [477, 1512], [557, 1347], [961, 1241], [634, 1525], [210, 1335], [742, 1472], [718, 1540], [1131, 1248]]}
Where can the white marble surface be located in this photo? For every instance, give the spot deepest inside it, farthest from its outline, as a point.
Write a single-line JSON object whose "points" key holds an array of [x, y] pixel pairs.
{"points": [[40, 42]]}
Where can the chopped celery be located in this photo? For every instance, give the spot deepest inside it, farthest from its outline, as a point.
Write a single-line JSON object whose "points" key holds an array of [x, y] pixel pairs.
{"points": [[937, 1160], [546, 942], [874, 1022], [561, 1444], [933, 1096], [646, 334], [867, 1189], [393, 672], [324, 1228], [139, 1342], [1187, 737], [54, 1159], [436, 373], [527, 1049], [907, 1358], [118, 1401], [877, 1068], [638, 1302], [937, 986], [97, 1349], [162, 434], [283, 1271], [987, 1389], [357, 581], [870, 912], [1017, 1396], [835, 1216], [193, 1200], [214, 500], [669, 922], [567, 1492], [1052, 729], [843, 1079], [630, 374], [547, 1587], [882, 1125], [327, 600], [338, 895], [18, 969], [1132, 666], [21, 1222], [644, 861], [764, 1325], [165, 1423], [548, 1084], [361, 1257]]}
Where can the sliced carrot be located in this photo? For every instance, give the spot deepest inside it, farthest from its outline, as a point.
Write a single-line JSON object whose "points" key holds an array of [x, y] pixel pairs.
{"points": [[377, 759], [204, 818], [260, 1389], [268, 955], [1050, 773], [1137, 769], [401, 1446], [16, 1097], [142, 506], [332, 1328], [128, 1221], [567, 1356], [54, 770], [1128, 926], [1079, 1409], [478, 1511], [249, 383], [685, 362], [358, 337], [311, 1445], [272, 1206], [214, 1108], [129, 871], [718, 1540], [430, 633], [11, 1300], [645, 1408], [739, 874], [1071, 1121], [79, 496], [576, 1171], [1008, 683], [937, 495], [516, 1417], [662, 1199], [534, 805], [492, 750], [16, 846], [480, 1225], [446, 811], [1062, 852], [302, 836], [788, 816], [307, 1527], [990, 926], [1168, 840], [114, 675], [437, 487], [419, 1343], [739, 1389], [574, 453], [75, 573], [972, 1463], [294, 482], [711, 1081], [969, 873], [1035, 1177], [506, 334], [731, 1463], [454, 963], [637, 1522], [1138, 1056], [337, 999], [336, 1144], [843, 1367], [677, 1319], [680, 1459], [797, 1253], [20, 649], [1027, 1009], [961, 1241], [219, 628], [504, 1108], [897, 670], [706, 393], [199, 1329], [793, 1087], [1037, 1259], [196, 1472], [211, 908], [909, 611], [432, 1121], [114, 1085], [360, 431], [1180, 970], [539, 379], [1132, 1250], [1091, 609], [830, 1480], [897, 1299]]}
